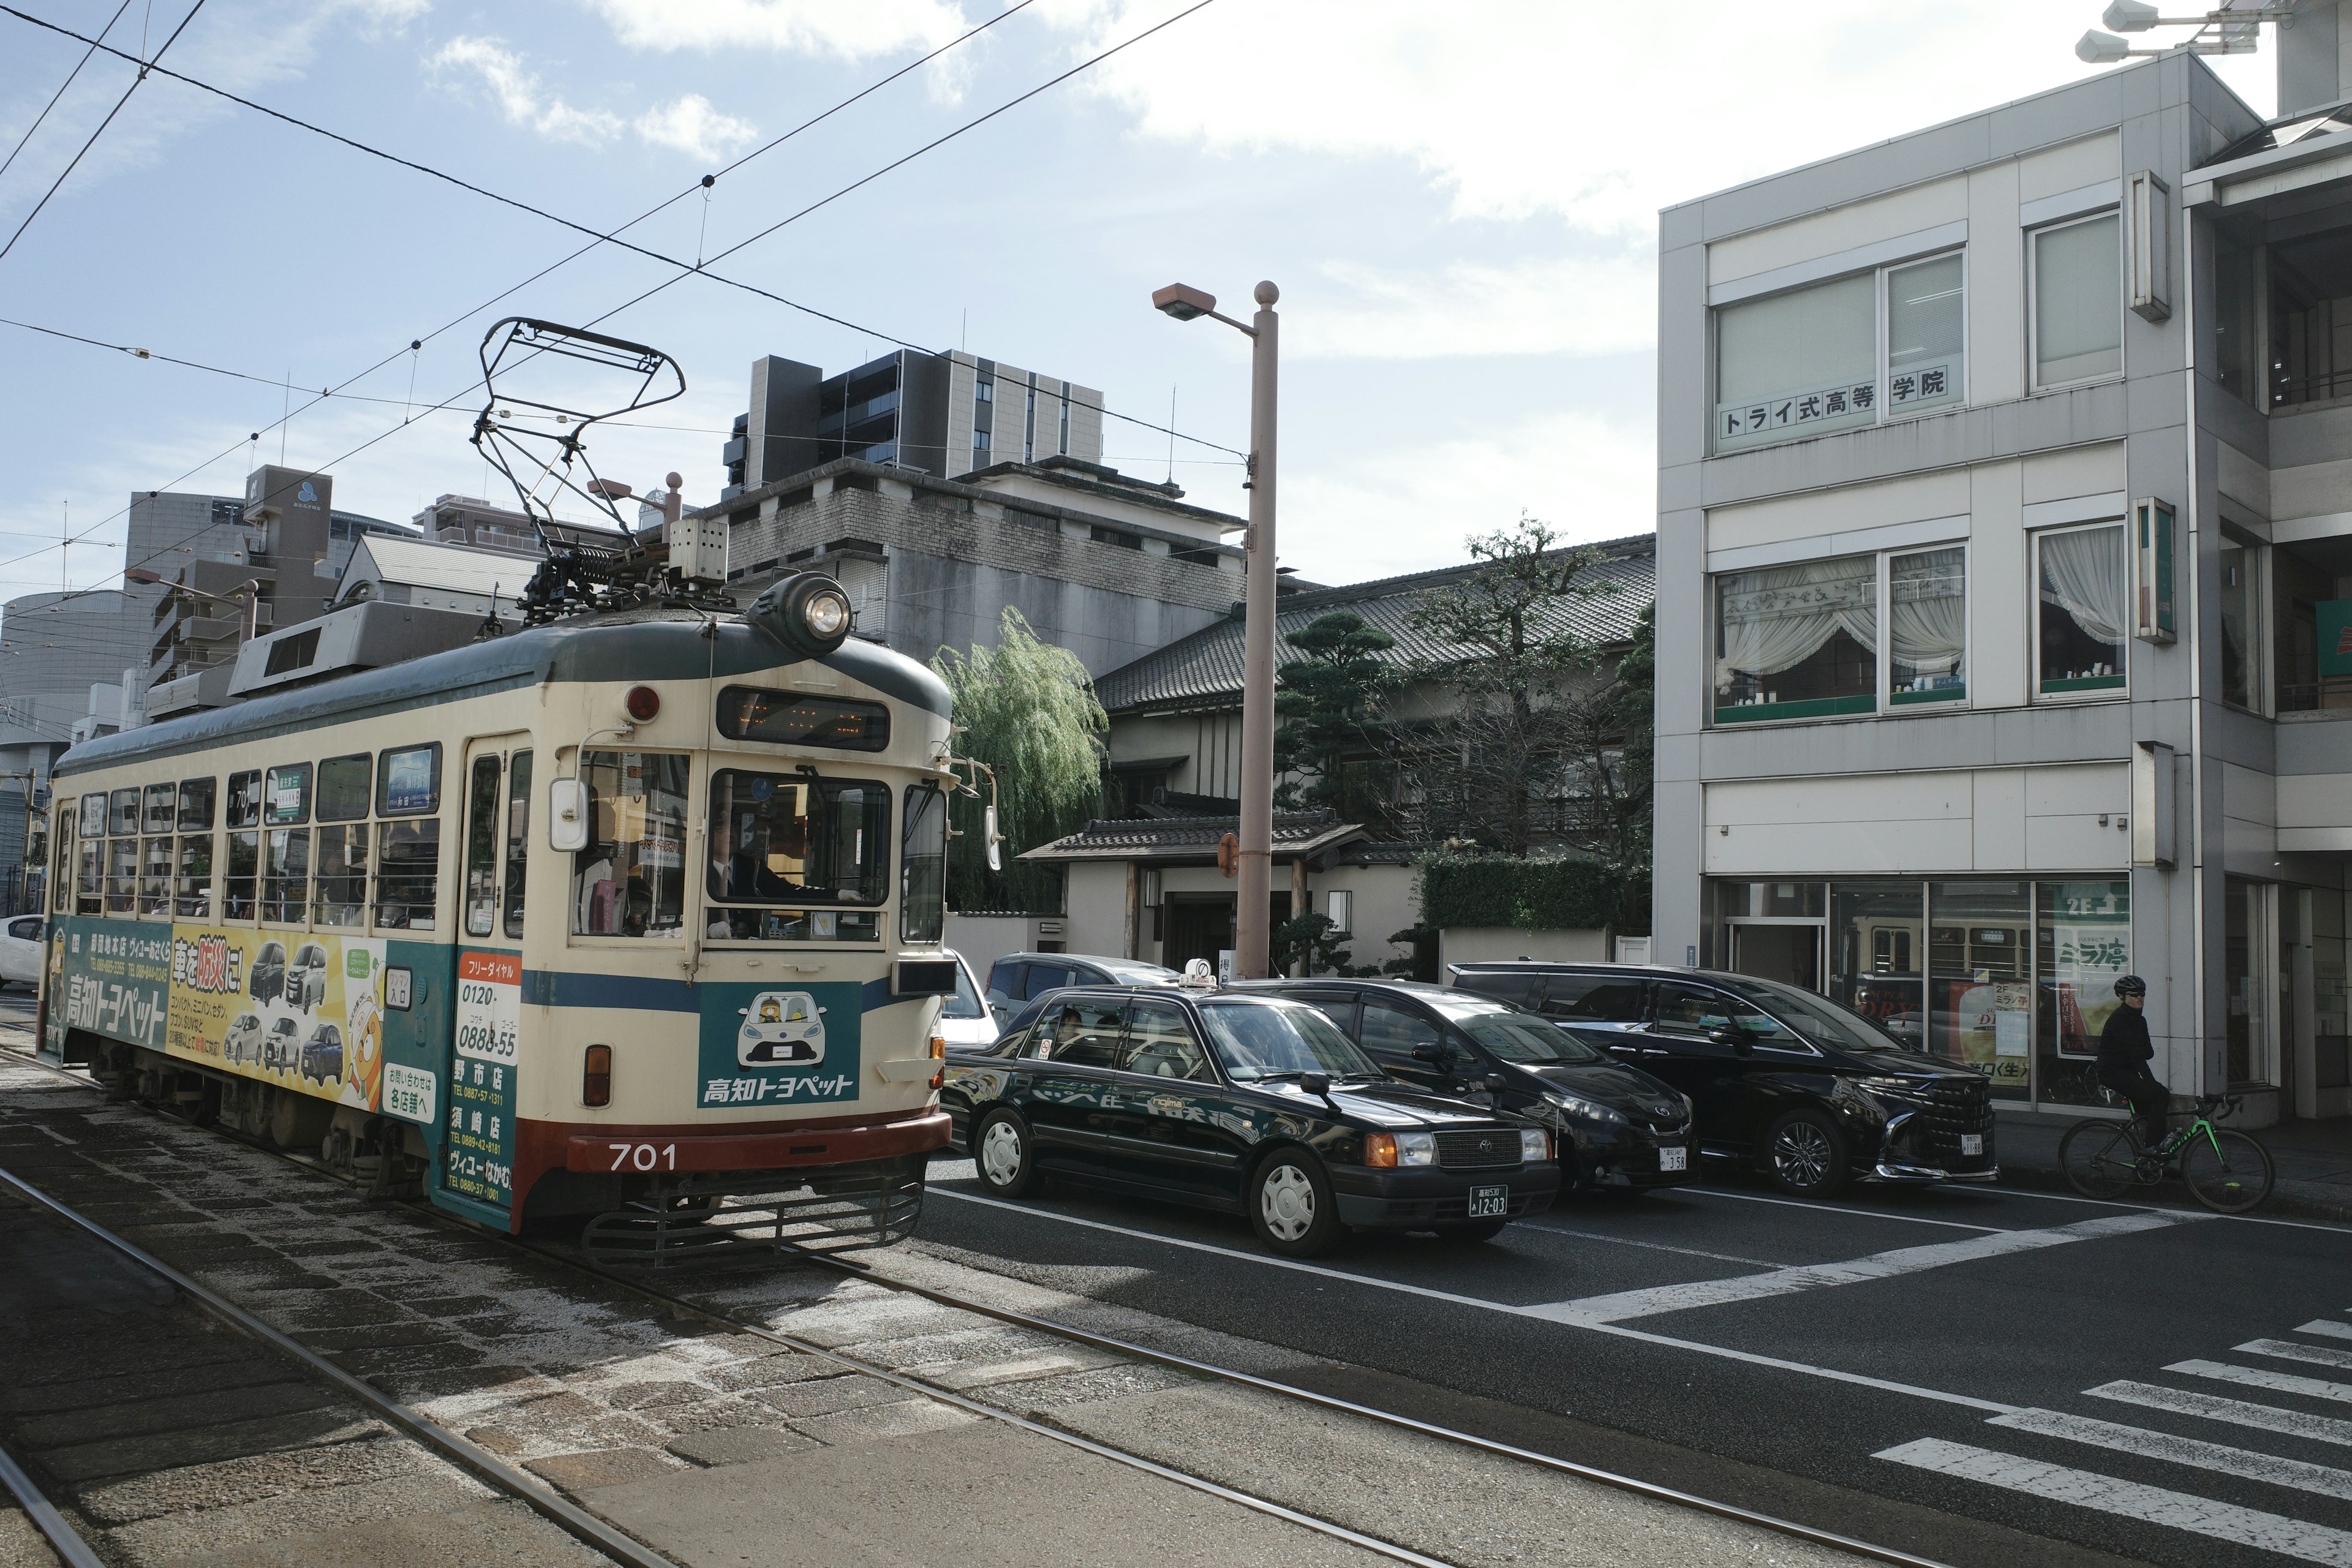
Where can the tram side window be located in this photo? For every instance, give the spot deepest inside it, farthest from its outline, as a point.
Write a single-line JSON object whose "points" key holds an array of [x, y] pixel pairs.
{"points": [[158, 807], [923, 867], [238, 888], [631, 879], [518, 838], [122, 813], [121, 875], [482, 848], [89, 872], [195, 805], [245, 799], [36, 863], [341, 898], [155, 875], [285, 874], [195, 900], [407, 872], [343, 788]]}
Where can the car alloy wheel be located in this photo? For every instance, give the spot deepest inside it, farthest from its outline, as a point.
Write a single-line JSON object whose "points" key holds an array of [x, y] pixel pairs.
{"points": [[1001, 1153], [1286, 1199], [1803, 1156]]}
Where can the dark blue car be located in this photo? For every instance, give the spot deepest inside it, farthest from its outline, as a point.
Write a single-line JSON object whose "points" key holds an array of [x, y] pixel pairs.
{"points": [[1246, 1103]]}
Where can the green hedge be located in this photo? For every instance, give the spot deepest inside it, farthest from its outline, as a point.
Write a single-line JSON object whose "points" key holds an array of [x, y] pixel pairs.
{"points": [[1472, 889]]}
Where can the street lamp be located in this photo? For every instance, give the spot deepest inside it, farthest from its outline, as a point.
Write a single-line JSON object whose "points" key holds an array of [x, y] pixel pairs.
{"points": [[1254, 898], [251, 588]]}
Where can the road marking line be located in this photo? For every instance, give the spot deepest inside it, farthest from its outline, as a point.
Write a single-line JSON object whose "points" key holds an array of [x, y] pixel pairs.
{"points": [[1698, 1347], [2288, 1350], [2155, 1505], [1624, 1304], [1825, 1208], [1531, 1224], [2236, 1412], [2256, 1377], [2326, 1326], [2325, 1480]]}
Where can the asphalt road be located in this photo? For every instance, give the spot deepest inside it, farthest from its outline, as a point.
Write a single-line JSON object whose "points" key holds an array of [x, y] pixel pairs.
{"points": [[1980, 1376]]}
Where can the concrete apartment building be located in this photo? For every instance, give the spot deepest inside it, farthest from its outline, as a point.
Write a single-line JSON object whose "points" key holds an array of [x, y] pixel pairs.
{"points": [[945, 414], [2005, 579]]}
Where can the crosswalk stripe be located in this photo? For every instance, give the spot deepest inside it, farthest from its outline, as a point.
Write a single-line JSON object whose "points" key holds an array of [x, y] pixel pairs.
{"points": [[2236, 1412], [2325, 1480], [2328, 1327], [2258, 1377], [2154, 1505], [2288, 1350]]}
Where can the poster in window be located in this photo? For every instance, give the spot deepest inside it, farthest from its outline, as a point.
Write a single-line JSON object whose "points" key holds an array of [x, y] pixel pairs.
{"points": [[408, 781]]}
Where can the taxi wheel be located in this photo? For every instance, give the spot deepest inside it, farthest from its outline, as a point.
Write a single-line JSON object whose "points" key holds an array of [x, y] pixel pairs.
{"points": [[1291, 1205], [1804, 1156], [1005, 1155]]}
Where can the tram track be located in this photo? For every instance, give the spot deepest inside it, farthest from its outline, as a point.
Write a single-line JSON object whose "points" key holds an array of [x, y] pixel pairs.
{"points": [[678, 1301]]}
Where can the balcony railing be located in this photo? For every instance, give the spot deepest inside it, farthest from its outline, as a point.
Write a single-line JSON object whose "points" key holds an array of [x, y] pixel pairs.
{"points": [[2328, 694]]}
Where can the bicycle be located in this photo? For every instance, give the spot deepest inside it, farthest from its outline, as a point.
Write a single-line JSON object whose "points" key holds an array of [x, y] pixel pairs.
{"points": [[2227, 1171]]}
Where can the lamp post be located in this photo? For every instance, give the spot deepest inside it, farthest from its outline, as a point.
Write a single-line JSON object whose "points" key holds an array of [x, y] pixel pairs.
{"points": [[1254, 898]]}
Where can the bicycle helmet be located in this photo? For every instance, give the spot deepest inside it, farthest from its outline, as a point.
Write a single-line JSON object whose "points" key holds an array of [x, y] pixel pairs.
{"points": [[2131, 985]]}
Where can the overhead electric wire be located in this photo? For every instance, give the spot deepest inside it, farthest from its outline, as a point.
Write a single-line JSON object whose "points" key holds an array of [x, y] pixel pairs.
{"points": [[144, 67], [71, 76], [687, 270], [702, 268]]}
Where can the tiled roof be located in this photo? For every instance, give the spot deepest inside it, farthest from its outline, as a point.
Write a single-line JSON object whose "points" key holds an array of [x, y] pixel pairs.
{"points": [[1192, 837], [1207, 665]]}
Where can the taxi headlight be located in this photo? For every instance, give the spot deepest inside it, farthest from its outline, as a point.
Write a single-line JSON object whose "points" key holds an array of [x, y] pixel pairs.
{"points": [[1535, 1145], [1416, 1148]]}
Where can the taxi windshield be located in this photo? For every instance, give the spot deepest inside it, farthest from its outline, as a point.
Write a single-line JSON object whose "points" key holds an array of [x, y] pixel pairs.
{"points": [[1258, 1039]]}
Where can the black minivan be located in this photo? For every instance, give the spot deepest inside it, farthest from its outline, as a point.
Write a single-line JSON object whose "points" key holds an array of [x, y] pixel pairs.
{"points": [[1617, 1127], [1782, 1079]]}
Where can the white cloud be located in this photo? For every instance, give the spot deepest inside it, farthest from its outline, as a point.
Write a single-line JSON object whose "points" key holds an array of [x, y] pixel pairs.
{"points": [[517, 89], [1599, 114], [693, 127], [1591, 477], [689, 125], [1566, 305], [851, 31]]}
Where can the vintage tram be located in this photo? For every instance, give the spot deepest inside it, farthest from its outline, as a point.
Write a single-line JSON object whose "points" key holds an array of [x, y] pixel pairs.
{"points": [[633, 918]]}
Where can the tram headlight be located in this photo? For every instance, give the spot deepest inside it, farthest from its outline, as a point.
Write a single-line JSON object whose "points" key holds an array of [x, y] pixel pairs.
{"points": [[825, 613], [807, 611]]}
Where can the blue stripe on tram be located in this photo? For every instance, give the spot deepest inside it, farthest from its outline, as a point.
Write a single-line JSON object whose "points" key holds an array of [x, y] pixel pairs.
{"points": [[573, 988]]}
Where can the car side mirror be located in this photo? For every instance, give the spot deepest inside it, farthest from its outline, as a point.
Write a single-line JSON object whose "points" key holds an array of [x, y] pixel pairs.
{"points": [[1315, 1083], [1732, 1037], [1495, 1084], [1436, 1056]]}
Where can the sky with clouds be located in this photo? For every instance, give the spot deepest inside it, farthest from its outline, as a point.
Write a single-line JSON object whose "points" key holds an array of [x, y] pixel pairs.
{"points": [[1458, 201]]}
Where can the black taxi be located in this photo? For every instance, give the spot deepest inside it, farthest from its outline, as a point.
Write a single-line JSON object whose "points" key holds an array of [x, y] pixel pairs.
{"points": [[1245, 1104]]}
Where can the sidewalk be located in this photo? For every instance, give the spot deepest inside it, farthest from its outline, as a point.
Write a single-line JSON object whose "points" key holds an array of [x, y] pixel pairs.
{"points": [[2314, 1160]]}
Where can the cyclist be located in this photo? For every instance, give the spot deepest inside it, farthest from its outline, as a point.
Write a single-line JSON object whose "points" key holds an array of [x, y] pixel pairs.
{"points": [[2125, 1051]]}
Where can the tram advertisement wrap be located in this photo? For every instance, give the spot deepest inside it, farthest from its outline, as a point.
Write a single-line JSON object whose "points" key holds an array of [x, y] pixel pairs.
{"points": [[117, 977], [303, 1011], [780, 1044], [477, 1151]]}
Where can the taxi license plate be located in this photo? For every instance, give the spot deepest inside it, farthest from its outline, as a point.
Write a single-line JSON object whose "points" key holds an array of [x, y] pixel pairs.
{"points": [[1971, 1143], [1673, 1159], [1490, 1203]]}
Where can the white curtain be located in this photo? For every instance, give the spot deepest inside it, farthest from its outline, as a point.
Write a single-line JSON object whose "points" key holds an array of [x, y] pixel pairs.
{"points": [[1928, 613], [2082, 574], [1776, 618]]}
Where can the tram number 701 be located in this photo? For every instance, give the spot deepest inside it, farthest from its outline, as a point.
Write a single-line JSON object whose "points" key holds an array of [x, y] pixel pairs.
{"points": [[643, 1156]]}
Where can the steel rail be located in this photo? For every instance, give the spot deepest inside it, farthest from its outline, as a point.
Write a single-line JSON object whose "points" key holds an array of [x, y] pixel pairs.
{"points": [[72, 1548]]}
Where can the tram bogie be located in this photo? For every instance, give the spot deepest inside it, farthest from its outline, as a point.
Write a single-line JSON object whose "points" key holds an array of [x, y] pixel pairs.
{"points": [[623, 916]]}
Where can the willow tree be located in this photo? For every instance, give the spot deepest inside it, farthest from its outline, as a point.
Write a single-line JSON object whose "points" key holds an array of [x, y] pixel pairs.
{"points": [[1028, 710]]}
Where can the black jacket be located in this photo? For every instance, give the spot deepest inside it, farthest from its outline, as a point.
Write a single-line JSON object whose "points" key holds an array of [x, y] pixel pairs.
{"points": [[2124, 1044]]}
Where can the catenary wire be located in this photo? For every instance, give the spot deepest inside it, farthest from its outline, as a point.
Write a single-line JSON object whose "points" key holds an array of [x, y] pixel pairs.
{"points": [[560, 262], [71, 76], [445, 404], [702, 268], [144, 68], [687, 271]]}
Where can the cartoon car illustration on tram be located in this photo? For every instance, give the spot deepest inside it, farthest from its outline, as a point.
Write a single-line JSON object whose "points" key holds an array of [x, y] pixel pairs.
{"points": [[781, 1028]]}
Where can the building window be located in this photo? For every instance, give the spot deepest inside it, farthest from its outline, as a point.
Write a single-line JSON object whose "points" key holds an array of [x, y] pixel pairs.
{"points": [[1341, 904], [1797, 642], [2078, 301], [1927, 627], [2080, 605], [979, 443], [2243, 631], [2309, 287], [1814, 360], [2247, 956], [983, 390]]}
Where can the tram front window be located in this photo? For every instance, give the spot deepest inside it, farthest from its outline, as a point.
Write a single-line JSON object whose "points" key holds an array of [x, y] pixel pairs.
{"points": [[796, 838], [631, 879]]}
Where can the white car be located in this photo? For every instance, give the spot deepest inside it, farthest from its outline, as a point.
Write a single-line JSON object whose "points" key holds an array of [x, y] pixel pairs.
{"points": [[966, 1020], [21, 950]]}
